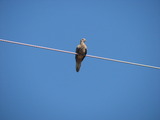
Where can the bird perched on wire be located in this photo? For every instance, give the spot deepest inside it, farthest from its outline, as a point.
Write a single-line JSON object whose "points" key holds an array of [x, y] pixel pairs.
{"points": [[81, 51]]}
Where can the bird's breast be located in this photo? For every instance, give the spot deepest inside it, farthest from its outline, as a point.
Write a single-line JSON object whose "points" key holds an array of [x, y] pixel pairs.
{"points": [[80, 56]]}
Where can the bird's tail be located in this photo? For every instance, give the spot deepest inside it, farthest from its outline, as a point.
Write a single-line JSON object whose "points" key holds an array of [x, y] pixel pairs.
{"points": [[78, 65]]}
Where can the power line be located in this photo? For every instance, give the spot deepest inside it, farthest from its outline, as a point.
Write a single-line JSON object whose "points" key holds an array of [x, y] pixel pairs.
{"points": [[36, 46]]}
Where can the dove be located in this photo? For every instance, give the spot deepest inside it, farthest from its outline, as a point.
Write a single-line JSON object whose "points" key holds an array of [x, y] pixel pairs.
{"points": [[81, 51]]}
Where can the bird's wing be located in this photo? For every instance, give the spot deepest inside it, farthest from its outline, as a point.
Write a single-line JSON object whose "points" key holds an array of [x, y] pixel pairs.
{"points": [[81, 50], [81, 53]]}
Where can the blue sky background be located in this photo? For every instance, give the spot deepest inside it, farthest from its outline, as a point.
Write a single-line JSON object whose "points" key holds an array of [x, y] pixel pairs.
{"points": [[38, 84]]}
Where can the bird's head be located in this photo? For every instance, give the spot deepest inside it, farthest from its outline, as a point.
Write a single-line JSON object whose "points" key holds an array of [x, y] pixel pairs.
{"points": [[83, 40]]}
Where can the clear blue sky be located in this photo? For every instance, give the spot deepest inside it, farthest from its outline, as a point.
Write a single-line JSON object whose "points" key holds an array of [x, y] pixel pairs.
{"points": [[37, 84]]}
